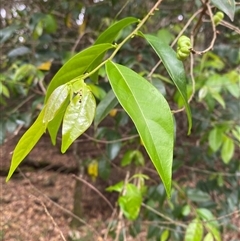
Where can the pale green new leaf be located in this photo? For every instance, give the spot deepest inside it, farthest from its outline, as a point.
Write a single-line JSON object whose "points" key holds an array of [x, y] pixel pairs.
{"points": [[174, 68], [227, 150], [208, 237], [26, 143], [76, 66], [55, 101], [150, 113], [130, 202], [104, 107], [53, 125], [78, 117], [194, 231], [227, 6], [165, 235]]}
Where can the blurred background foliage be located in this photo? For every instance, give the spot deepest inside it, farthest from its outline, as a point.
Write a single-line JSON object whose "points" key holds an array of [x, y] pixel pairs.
{"points": [[38, 37]]}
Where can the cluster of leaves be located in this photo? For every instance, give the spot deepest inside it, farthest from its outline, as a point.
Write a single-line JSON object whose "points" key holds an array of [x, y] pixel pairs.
{"points": [[75, 98]]}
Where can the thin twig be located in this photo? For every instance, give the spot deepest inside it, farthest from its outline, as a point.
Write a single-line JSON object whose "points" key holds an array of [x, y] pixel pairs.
{"points": [[59, 206], [109, 224], [211, 172], [51, 217], [119, 12], [164, 216], [95, 189], [120, 215], [230, 26], [111, 141], [21, 104], [214, 37], [176, 39]]}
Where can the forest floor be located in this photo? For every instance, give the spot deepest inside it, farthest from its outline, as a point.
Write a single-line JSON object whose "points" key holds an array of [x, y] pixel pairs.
{"points": [[37, 203]]}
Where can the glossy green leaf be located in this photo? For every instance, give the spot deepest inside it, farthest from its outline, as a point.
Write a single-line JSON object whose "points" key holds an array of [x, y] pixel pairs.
{"points": [[194, 231], [227, 6], [227, 150], [215, 138], [150, 113], [54, 125], [111, 32], [26, 143], [76, 66], [55, 101], [174, 68], [130, 202], [108, 36], [104, 107], [78, 117]]}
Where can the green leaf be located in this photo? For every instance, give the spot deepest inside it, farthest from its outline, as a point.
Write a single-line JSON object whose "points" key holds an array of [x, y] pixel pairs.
{"points": [[194, 231], [186, 210], [215, 138], [208, 237], [203, 92], [227, 150], [26, 143], [7, 33], [55, 101], [4, 90], [132, 155], [111, 32], [97, 91], [174, 68], [164, 235], [117, 187], [233, 89], [131, 202], [219, 99], [53, 125], [104, 107], [49, 23], [214, 231], [197, 195], [108, 36], [78, 117], [236, 133], [150, 113], [76, 66], [227, 6], [206, 215]]}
